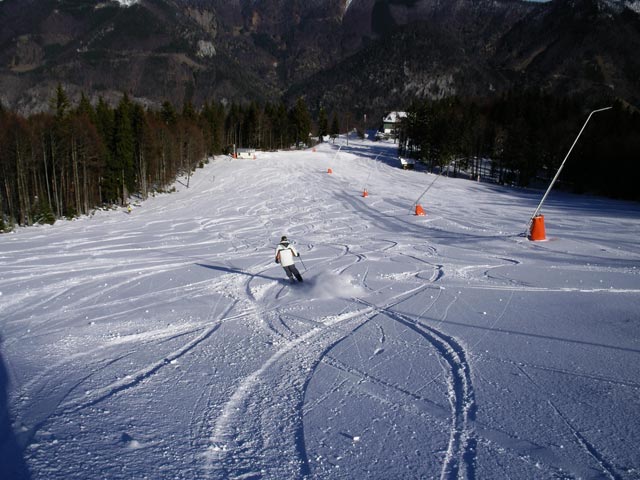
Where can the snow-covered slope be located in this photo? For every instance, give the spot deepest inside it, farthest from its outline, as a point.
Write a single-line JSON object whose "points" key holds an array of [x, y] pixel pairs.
{"points": [[165, 343]]}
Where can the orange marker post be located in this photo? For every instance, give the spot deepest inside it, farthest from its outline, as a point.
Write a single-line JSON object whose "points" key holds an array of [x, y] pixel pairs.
{"points": [[537, 232]]}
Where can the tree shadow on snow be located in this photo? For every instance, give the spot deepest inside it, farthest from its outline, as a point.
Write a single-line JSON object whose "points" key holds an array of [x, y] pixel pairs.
{"points": [[383, 152], [12, 464]]}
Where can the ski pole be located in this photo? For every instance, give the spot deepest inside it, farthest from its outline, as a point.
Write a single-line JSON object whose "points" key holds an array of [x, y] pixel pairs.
{"points": [[305, 267]]}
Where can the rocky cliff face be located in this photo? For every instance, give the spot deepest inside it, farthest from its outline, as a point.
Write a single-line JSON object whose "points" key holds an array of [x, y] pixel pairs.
{"points": [[342, 54]]}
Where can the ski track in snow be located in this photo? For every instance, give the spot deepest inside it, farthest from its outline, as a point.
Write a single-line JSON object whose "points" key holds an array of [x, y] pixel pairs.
{"points": [[605, 465], [135, 378], [460, 458], [279, 410], [251, 410]]}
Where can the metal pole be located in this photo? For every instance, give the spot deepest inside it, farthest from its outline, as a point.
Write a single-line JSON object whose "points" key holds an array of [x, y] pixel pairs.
{"points": [[560, 169], [336, 155], [425, 192], [370, 172]]}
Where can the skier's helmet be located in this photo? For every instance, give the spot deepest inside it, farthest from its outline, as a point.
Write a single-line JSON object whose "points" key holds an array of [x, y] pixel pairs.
{"points": [[284, 239]]}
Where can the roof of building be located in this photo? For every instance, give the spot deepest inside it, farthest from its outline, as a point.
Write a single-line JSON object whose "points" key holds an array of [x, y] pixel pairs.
{"points": [[394, 117]]}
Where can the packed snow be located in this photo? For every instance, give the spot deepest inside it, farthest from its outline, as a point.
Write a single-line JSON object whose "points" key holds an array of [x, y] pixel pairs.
{"points": [[167, 343]]}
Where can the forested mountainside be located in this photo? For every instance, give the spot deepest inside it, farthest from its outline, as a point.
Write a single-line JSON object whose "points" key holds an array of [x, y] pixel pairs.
{"points": [[362, 56]]}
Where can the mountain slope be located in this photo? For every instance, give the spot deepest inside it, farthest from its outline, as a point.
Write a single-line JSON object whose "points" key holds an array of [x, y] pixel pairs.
{"points": [[152, 49], [582, 47], [376, 54]]}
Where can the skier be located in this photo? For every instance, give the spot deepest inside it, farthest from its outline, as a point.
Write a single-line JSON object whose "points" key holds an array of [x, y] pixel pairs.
{"points": [[284, 256]]}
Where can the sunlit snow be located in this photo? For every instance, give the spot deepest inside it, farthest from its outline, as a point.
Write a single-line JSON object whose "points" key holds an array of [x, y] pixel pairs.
{"points": [[166, 343]]}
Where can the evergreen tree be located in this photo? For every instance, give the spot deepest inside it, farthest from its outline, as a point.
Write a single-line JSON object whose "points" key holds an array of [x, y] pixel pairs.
{"points": [[60, 144], [300, 122], [323, 124], [271, 118], [105, 126], [141, 147], [168, 113], [120, 174], [335, 127], [214, 119], [251, 126], [280, 124], [188, 112], [104, 121], [85, 108], [60, 103]]}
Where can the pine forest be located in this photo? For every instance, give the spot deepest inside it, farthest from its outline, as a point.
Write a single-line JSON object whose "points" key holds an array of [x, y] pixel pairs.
{"points": [[76, 158]]}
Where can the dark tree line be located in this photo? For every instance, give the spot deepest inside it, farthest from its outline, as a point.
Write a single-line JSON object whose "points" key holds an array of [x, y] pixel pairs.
{"points": [[75, 158], [524, 137], [78, 157]]}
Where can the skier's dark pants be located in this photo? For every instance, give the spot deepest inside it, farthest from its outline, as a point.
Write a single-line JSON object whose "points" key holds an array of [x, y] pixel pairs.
{"points": [[291, 270]]}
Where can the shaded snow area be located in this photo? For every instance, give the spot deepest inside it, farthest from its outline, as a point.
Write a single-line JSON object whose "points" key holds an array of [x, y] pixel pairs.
{"points": [[166, 343]]}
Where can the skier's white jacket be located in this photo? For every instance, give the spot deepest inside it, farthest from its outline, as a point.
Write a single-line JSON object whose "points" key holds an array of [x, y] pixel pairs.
{"points": [[285, 253]]}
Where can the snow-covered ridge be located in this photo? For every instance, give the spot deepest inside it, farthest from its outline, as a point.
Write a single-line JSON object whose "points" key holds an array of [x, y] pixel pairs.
{"points": [[619, 5], [633, 5], [127, 3]]}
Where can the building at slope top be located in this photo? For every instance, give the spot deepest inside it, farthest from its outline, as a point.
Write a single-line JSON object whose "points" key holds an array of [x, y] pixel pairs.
{"points": [[391, 123]]}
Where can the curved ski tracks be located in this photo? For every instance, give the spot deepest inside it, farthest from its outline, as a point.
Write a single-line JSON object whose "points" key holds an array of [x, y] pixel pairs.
{"points": [[459, 461], [262, 420]]}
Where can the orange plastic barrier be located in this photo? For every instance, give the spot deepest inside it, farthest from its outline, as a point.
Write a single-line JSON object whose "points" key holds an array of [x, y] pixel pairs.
{"points": [[420, 210], [537, 232], [365, 193]]}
